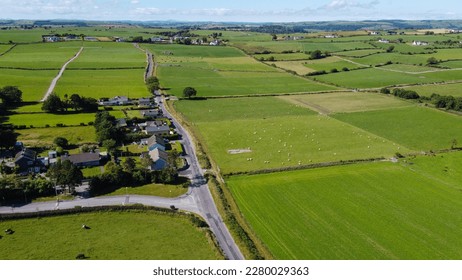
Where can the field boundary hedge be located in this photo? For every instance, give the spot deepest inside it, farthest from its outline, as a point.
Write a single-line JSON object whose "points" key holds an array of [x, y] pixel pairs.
{"points": [[306, 166], [8, 50]]}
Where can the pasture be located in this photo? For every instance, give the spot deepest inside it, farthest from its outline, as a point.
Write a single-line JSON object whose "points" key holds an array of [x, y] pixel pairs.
{"points": [[103, 83], [343, 102], [131, 235], [274, 136], [109, 55], [417, 128], [40, 56], [221, 71], [33, 83], [443, 89], [40, 137], [358, 212]]}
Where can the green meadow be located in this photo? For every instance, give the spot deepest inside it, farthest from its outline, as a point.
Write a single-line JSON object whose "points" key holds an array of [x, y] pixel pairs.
{"points": [[443, 89], [33, 83], [39, 137], [221, 71], [103, 83], [417, 128], [132, 235], [358, 212], [266, 133], [40, 56]]}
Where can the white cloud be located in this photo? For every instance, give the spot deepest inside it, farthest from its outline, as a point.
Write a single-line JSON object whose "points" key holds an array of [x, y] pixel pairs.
{"points": [[345, 4], [134, 2]]}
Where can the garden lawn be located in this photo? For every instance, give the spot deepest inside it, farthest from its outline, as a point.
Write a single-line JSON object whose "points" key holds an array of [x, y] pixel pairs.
{"points": [[357, 212], [418, 128], [131, 235]]}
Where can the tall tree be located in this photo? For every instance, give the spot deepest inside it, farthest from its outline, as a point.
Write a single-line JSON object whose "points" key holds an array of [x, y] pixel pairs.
{"points": [[10, 95], [65, 174], [189, 92], [53, 104]]}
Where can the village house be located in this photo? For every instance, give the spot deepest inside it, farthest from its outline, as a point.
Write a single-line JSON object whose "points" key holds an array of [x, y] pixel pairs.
{"points": [[84, 159], [159, 158], [26, 161], [152, 130], [155, 142], [419, 43], [115, 101], [145, 102], [384, 41], [121, 123], [51, 39]]}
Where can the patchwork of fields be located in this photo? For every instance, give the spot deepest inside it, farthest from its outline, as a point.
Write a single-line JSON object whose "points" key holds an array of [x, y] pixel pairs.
{"points": [[379, 210]]}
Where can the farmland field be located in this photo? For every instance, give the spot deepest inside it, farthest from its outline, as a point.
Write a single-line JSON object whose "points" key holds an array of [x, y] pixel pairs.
{"points": [[109, 55], [219, 71], [103, 83], [113, 236], [365, 211], [40, 56], [33, 83], [277, 134], [417, 128], [45, 136], [447, 89], [347, 102], [327, 64]]}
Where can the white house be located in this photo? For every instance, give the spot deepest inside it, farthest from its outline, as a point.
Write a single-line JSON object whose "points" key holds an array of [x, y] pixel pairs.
{"points": [[419, 43]]}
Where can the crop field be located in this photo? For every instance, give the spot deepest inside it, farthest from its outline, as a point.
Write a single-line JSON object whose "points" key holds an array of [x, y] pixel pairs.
{"points": [[417, 128], [409, 68], [112, 236], [273, 133], [302, 45], [345, 102], [103, 83], [444, 89], [363, 211], [44, 136], [40, 56]]}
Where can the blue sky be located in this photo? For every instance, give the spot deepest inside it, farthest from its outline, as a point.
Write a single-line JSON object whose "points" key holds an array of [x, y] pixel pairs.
{"points": [[235, 10]]}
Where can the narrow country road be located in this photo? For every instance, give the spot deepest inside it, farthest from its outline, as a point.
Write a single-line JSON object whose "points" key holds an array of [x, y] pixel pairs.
{"points": [[200, 193], [55, 80]]}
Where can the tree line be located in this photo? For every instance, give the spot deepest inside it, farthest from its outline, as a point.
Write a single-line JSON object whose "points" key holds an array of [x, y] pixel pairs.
{"points": [[54, 104]]}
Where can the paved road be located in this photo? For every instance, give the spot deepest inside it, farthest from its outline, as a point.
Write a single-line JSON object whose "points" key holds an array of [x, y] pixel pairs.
{"points": [[55, 80], [198, 199], [200, 193]]}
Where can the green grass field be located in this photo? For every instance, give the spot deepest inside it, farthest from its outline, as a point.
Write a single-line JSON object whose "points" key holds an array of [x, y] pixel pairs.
{"points": [[357, 212], [447, 89], [45, 136], [33, 83], [103, 83], [272, 133], [152, 189], [418, 128], [109, 55], [220, 71], [40, 56], [327, 64], [132, 235], [42, 119], [343, 102]]}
